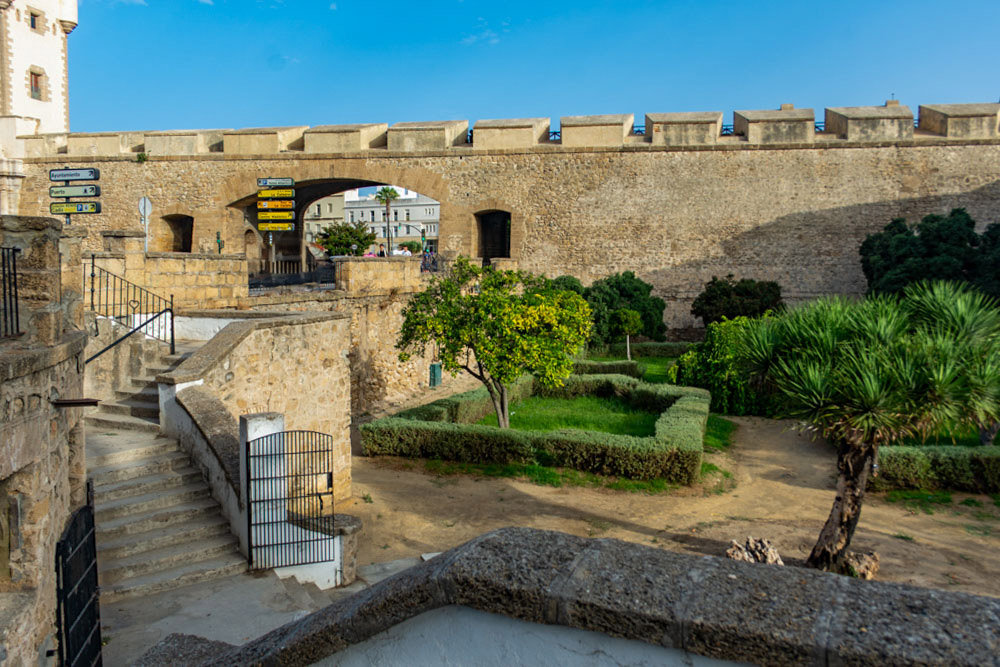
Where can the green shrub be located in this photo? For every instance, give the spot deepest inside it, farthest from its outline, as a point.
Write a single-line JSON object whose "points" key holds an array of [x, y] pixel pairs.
{"points": [[673, 453], [623, 290], [587, 367], [714, 365], [727, 299], [973, 469]]}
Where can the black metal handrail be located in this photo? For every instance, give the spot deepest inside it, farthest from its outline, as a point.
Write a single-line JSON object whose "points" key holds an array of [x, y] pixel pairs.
{"points": [[555, 135], [638, 130], [10, 317], [727, 130], [127, 304]]}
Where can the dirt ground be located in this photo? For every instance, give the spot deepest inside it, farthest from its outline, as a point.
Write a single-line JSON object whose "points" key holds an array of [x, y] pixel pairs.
{"points": [[782, 489]]}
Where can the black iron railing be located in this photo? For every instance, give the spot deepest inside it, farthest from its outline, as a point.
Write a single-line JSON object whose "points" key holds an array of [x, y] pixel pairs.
{"points": [[323, 274], [638, 130], [555, 135], [468, 136], [727, 130], [820, 126], [10, 319], [289, 482], [131, 306]]}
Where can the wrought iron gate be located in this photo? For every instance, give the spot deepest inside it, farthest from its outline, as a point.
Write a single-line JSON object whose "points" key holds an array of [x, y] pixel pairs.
{"points": [[290, 507], [78, 614]]}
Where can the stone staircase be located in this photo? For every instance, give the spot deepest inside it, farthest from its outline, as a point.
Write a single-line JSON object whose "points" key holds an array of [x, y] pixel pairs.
{"points": [[157, 525]]}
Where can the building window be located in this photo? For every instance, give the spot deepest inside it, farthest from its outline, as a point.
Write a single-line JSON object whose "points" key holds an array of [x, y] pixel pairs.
{"points": [[36, 86], [395, 215], [319, 210], [373, 216], [352, 216], [407, 214], [33, 20]]}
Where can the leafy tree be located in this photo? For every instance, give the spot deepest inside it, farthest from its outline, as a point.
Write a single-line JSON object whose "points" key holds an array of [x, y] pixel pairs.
{"points": [[386, 195], [571, 283], [865, 374], [338, 239], [624, 290], [729, 298], [497, 326], [937, 248], [413, 246], [627, 323]]}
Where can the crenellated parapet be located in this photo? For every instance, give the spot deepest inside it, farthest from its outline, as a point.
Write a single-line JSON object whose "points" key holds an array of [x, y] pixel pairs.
{"points": [[786, 126]]}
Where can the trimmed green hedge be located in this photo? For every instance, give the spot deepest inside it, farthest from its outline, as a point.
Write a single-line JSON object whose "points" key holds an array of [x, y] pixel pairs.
{"points": [[673, 453], [648, 349], [467, 407], [588, 367], [973, 469]]}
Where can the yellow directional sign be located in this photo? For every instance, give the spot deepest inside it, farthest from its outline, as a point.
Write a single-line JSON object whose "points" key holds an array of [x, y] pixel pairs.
{"points": [[276, 215], [276, 203], [276, 226], [276, 194], [83, 207]]}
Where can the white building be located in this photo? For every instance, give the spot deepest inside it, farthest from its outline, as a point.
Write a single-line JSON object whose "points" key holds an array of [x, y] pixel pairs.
{"points": [[413, 216], [321, 214], [34, 90]]}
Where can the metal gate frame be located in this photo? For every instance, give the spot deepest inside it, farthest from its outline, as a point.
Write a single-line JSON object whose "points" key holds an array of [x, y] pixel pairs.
{"points": [[78, 610], [289, 488]]}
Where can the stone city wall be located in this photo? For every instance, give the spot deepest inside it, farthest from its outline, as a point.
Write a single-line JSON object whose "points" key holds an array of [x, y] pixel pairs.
{"points": [[42, 470], [781, 202], [294, 364]]}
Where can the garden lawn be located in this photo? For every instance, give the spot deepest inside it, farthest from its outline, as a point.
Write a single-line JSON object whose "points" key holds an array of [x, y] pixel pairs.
{"points": [[587, 413], [656, 367]]}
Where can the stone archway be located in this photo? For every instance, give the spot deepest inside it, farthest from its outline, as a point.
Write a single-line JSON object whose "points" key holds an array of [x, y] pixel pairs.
{"points": [[179, 233]]}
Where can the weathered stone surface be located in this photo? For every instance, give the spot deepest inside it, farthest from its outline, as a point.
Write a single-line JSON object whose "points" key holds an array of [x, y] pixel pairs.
{"points": [[181, 649], [754, 550], [708, 606], [861, 565]]}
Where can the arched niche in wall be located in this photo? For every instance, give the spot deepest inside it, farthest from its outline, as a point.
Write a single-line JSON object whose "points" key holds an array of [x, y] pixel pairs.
{"points": [[493, 229], [252, 249], [180, 232]]}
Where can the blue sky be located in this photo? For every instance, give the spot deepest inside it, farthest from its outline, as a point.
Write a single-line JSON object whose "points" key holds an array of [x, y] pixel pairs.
{"points": [[166, 64]]}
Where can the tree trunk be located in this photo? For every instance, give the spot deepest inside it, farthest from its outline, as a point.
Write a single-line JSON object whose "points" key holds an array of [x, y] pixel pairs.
{"points": [[988, 435], [628, 348], [853, 466], [505, 406]]}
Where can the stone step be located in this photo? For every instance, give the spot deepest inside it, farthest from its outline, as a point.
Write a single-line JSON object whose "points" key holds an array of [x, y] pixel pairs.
{"points": [[120, 472], [132, 408], [158, 369], [112, 570], [177, 577], [143, 381], [104, 420], [149, 502], [144, 395], [299, 595], [318, 597], [113, 449], [109, 530], [197, 528], [105, 493]]}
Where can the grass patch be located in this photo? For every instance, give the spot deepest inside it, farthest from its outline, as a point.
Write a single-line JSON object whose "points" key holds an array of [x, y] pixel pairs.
{"points": [[919, 500], [904, 536], [549, 476], [656, 367], [971, 502], [586, 413], [980, 531], [718, 433]]}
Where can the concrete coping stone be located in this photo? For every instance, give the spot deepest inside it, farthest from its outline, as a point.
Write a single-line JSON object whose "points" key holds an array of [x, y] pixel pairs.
{"points": [[266, 130], [181, 649], [219, 429], [16, 362], [862, 113], [601, 119], [764, 115], [337, 129], [964, 110], [106, 254], [184, 133], [45, 135], [214, 351], [685, 117], [510, 123], [29, 223], [428, 125], [710, 606], [196, 255], [87, 135], [123, 234]]}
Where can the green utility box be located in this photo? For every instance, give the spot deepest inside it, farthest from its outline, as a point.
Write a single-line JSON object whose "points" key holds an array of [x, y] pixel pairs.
{"points": [[435, 375]]}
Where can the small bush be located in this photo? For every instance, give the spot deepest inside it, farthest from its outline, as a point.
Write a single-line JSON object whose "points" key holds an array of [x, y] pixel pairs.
{"points": [[728, 299], [647, 349], [673, 453], [973, 469], [587, 367], [714, 365]]}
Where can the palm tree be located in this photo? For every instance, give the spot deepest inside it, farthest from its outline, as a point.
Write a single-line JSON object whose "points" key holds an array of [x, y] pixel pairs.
{"points": [[864, 374], [386, 195]]}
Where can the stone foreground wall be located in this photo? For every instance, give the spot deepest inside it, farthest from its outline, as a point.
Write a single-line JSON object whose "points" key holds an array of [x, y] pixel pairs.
{"points": [[794, 213]]}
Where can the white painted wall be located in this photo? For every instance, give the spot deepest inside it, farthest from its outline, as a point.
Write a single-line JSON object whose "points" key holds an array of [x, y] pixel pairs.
{"points": [[44, 48]]}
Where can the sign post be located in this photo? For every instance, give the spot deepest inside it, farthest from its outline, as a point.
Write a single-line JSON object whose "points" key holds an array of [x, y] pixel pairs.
{"points": [[66, 192], [145, 208], [275, 202]]}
